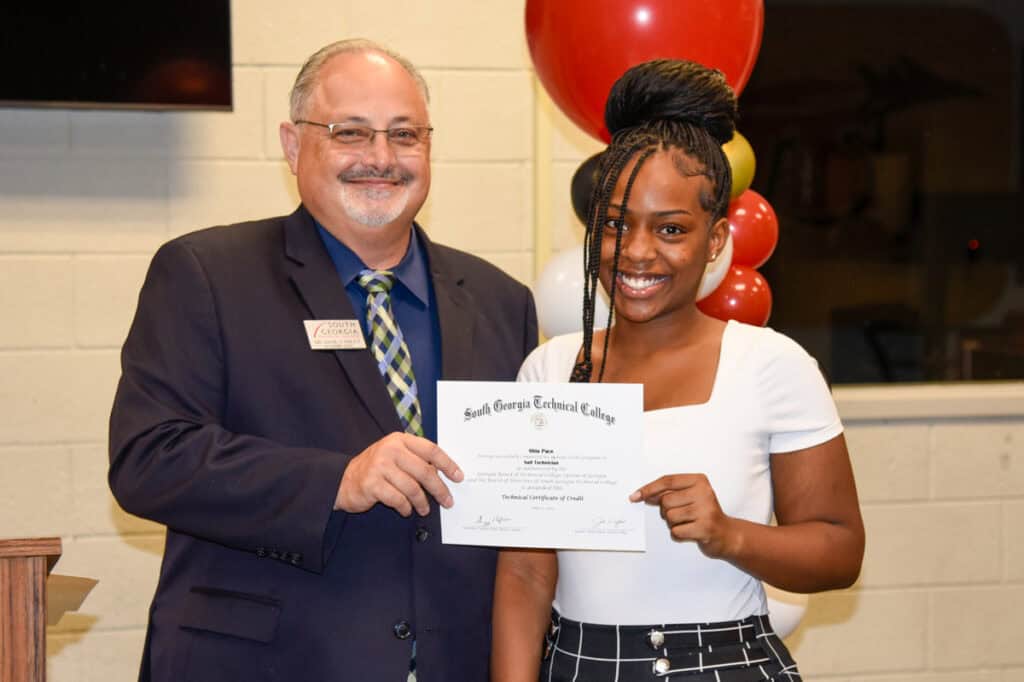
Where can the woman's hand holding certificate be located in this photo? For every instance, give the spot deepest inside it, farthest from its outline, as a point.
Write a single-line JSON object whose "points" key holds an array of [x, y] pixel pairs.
{"points": [[546, 465]]}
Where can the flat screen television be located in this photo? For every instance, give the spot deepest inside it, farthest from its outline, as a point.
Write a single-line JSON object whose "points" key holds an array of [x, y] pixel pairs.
{"points": [[116, 54]]}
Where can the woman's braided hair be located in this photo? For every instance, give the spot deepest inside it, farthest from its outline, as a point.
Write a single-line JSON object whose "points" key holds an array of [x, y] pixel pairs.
{"points": [[658, 105]]}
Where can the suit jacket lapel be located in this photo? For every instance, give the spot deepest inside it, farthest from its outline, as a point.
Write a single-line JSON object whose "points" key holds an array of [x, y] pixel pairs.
{"points": [[456, 314], [316, 280]]}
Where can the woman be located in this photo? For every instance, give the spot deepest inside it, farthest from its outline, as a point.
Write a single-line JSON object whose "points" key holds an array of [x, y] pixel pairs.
{"points": [[738, 424]]}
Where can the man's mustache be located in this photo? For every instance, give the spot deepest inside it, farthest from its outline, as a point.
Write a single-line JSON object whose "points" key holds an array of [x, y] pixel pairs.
{"points": [[389, 174]]}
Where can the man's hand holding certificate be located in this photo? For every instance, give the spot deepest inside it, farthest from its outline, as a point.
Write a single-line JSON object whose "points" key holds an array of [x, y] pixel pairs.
{"points": [[546, 465]]}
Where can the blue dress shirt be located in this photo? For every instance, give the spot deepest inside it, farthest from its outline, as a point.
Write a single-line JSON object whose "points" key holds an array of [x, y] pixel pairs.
{"points": [[415, 311]]}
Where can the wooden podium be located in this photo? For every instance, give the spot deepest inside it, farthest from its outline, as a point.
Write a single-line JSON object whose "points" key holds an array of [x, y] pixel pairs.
{"points": [[24, 566]]}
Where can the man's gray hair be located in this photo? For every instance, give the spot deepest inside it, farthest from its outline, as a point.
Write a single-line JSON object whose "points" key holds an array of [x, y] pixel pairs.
{"points": [[310, 71]]}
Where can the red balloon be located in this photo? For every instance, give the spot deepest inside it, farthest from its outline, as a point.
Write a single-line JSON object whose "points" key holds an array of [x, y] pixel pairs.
{"points": [[743, 296], [580, 47], [754, 227]]}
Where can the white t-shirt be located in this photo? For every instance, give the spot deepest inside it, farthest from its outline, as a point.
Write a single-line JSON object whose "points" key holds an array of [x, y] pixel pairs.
{"points": [[769, 396]]}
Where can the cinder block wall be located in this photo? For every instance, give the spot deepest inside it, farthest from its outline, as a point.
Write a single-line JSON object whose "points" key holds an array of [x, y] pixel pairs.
{"points": [[941, 594], [87, 196]]}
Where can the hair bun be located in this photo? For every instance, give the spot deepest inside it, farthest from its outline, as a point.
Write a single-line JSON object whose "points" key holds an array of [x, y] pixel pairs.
{"points": [[672, 90]]}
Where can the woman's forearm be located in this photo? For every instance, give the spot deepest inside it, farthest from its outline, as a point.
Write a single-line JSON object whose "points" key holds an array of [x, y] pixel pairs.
{"points": [[810, 556], [523, 591]]}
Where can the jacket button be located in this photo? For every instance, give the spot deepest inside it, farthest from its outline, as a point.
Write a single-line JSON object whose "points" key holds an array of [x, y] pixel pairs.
{"points": [[422, 534], [402, 630], [261, 552]]}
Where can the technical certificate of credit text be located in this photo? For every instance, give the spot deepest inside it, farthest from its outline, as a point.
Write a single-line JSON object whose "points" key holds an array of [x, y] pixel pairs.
{"points": [[546, 465]]}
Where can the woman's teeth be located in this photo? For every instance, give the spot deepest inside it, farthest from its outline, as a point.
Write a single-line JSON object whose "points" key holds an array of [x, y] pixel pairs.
{"points": [[639, 283]]}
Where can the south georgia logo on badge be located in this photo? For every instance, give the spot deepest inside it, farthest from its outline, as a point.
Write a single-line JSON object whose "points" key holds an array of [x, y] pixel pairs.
{"points": [[538, 420]]}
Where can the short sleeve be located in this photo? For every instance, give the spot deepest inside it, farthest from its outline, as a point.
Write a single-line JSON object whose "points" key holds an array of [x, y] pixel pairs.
{"points": [[798, 405], [551, 361]]}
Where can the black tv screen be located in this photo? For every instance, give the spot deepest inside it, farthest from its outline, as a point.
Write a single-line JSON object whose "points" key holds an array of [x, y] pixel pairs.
{"points": [[116, 54]]}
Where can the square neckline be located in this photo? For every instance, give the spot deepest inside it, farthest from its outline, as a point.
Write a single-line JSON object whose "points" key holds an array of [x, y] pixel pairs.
{"points": [[716, 383]]}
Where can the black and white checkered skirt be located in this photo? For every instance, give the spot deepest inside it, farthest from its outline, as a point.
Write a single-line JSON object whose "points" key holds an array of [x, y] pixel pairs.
{"points": [[734, 651]]}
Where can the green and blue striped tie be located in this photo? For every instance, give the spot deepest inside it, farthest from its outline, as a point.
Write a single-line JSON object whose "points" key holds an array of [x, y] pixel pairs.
{"points": [[389, 349]]}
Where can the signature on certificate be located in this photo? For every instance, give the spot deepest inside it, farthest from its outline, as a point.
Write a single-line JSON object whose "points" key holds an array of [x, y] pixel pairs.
{"points": [[487, 521], [608, 523]]}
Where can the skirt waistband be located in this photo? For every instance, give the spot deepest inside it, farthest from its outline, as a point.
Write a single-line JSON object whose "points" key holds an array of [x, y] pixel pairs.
{"points": [[740, 650], [674, 635]]}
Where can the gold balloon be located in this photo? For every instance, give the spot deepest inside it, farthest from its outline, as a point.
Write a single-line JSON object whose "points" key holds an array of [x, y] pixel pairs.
{"points": [[741, 159]]}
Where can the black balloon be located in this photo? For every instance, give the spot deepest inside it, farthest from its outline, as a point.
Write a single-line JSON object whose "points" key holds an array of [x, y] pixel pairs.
{"points": [[583, 182]]}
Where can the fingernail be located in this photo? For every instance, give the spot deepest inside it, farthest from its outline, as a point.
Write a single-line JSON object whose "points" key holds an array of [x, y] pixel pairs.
{"points": [[635, 497], [447, 502], [457, 475]]}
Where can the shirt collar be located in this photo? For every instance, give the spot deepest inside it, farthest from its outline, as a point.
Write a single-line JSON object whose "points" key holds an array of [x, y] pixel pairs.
{"points": [[411, 271]]}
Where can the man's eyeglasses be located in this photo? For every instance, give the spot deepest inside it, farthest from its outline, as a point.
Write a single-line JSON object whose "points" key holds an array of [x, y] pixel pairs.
{"points": [[356, 136]]}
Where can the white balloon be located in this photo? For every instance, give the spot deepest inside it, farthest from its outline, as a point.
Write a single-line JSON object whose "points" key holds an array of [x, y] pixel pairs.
{"points": [[785, 609], [716, 270], [559, 295]]}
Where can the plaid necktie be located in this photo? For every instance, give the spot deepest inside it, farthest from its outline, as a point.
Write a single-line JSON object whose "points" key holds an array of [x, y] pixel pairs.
{"points": [[389, 349]]}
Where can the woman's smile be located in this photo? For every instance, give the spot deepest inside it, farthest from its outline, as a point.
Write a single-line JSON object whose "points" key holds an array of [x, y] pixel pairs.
{"points": [[640, 285]]}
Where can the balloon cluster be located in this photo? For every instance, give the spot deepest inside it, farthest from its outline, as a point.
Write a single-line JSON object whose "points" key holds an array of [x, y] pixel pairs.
{"points": [[726, 35], [732, 288]]}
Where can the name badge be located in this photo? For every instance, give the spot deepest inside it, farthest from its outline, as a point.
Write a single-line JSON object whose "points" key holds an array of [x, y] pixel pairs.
{"points": [[334, 334]]}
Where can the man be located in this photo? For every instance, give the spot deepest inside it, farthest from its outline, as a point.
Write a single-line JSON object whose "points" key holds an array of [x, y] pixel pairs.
{"points": [[303, 538]]}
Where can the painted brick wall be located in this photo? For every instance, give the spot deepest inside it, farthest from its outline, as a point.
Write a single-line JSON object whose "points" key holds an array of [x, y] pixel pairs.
{"points": [[86, 197]]}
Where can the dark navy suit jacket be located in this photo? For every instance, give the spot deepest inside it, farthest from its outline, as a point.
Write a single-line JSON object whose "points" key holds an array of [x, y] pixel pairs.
{"points": [[229, 430]]}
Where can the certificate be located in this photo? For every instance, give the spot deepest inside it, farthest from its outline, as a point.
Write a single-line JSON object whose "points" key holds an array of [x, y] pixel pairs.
{"points": [[546, 465]]}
